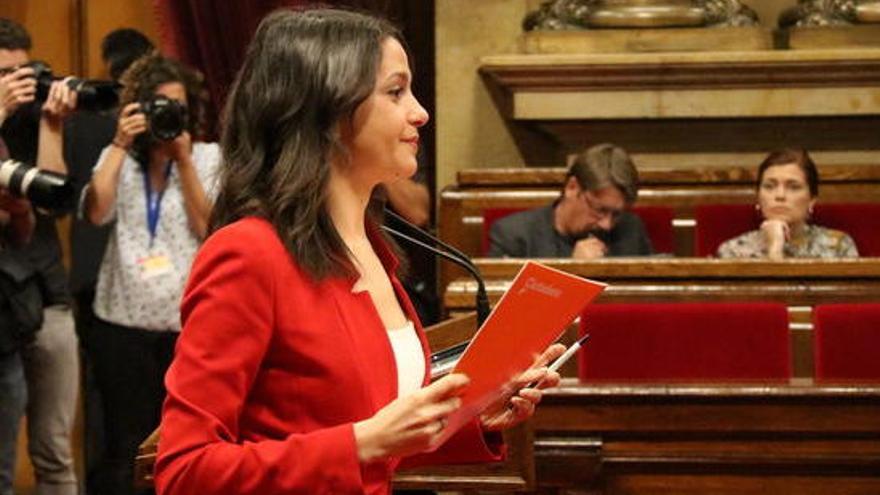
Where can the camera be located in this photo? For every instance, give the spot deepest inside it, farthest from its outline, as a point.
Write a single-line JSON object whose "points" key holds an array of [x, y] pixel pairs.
{"points": [[94, 95], [45, 189], [166, 117]]}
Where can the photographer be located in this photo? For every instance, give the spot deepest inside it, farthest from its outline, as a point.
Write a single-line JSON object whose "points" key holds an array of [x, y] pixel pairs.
{"points": [[156, 185], [86, 134], [16, 227], [33, 132]]}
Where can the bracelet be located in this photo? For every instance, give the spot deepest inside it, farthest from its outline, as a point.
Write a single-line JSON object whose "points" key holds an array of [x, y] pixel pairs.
{"points": [[116, 143]]}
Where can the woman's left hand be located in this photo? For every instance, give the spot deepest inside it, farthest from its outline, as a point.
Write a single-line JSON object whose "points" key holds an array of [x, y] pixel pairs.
{"points": [[60, 102], [512, 410]]}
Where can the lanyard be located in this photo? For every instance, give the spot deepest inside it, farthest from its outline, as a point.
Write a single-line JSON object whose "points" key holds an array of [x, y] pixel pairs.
{"points": [[154, 201]]}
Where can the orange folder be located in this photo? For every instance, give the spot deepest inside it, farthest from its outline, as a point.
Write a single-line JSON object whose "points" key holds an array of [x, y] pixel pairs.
{"points": [[531, 315]]}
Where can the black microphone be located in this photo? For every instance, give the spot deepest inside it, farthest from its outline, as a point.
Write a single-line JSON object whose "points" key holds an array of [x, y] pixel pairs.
{"points": [[454, 255]]}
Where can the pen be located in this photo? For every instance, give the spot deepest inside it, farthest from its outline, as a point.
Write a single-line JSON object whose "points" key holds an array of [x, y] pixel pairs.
{"points": [[568, 353], [563, 358]]}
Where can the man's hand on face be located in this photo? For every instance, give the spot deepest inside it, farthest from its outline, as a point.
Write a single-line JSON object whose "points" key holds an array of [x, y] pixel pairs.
{"points": [[589, 248], [17, 87]]}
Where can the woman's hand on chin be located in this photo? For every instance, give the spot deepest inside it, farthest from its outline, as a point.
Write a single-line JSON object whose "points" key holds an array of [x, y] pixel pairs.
{"points": [[775, 232]]}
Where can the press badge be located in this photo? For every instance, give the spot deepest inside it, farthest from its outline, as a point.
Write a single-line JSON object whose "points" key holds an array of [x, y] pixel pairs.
{"points": [[154, 266]]}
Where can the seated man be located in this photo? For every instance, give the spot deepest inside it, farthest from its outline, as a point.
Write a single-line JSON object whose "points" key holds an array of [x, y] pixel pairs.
{"points": [[589, 220]]}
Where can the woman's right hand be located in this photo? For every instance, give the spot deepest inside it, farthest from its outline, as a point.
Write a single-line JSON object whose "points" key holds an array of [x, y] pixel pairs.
{"points": [[410, 424], [131, 123], [775, 234]]}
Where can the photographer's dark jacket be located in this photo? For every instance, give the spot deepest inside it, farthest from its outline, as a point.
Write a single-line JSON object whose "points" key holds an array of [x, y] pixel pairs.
{"points": [[21, 134], [21, 304]]}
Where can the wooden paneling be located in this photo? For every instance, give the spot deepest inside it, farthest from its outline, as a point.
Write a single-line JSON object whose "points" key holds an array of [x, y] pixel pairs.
{"points": [[50, 25], [67, 33], [753, 439], [102, 16]]}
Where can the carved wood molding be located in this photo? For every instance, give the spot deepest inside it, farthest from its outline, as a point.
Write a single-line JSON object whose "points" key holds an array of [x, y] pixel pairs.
{"points": [[635, 392], [532, 74], [690, 268], [695, 438], [794, 282], [553, 177]]}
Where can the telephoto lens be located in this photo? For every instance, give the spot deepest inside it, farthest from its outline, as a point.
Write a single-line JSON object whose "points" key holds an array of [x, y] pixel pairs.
{"points": [[45, 189], [91, 94], [166, 117]]}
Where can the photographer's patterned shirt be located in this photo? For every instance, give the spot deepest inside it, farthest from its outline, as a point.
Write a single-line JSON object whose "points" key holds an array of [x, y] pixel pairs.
{"points": [[816, 242], [140, 282]]}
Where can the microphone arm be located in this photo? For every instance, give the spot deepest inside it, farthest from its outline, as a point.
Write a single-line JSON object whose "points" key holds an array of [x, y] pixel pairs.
{"points": [[482, 297], [454, 255], [462, 258]]}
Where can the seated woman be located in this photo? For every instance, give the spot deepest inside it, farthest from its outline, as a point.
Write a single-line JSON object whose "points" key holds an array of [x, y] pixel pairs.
{"points": [[788, 185]]}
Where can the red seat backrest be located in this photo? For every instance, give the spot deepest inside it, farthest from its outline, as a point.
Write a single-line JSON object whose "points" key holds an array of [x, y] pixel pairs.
{"points": [[685, 341], [658, 224], [846, 341], [657, 220], [718, 223], [490, 216], [859, 220]]}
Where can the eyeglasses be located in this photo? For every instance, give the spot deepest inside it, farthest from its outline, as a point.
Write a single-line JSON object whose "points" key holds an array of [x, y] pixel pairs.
{"points": [[601, 210]]}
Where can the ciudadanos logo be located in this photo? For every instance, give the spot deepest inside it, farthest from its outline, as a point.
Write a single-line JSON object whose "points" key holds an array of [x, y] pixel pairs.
{"points": [[533, 284]]}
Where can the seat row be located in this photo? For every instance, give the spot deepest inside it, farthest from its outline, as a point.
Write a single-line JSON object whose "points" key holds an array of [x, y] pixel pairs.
{"points": [[715, 223], [724, 341]]}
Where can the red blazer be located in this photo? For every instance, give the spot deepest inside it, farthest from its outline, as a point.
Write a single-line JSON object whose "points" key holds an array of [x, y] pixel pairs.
{"points": [[271, 371]]}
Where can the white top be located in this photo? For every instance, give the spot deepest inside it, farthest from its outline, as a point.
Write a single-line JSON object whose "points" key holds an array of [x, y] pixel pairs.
{"points": [[410, 358], [140, 285]]}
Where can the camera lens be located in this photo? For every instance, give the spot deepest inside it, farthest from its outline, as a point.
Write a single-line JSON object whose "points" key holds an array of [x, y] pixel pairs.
{"points": [[45, 189], [93, 95], [166, 117]]}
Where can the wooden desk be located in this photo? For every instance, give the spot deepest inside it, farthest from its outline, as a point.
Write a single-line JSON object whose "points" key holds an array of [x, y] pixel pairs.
{"points": [[647, 439], [801, 284], [793, 281]]}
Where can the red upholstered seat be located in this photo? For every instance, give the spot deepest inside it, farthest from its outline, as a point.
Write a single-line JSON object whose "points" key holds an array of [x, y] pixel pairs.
{"points": [[685, 342], [859, 220], [718, 223], [490, 216], [846, 341], [657, 220], [658, 224]]}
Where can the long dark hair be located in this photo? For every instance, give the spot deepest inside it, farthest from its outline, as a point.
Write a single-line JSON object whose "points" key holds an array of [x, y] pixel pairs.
{"points": [[304, 71]]}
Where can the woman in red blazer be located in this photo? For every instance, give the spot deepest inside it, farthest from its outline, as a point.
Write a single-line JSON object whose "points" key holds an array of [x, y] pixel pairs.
{"points": [[301, 366]]}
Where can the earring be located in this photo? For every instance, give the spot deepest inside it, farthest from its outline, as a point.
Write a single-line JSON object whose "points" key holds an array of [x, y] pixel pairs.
{"points": [[757, 207]]}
